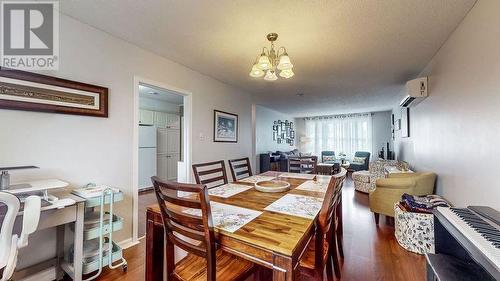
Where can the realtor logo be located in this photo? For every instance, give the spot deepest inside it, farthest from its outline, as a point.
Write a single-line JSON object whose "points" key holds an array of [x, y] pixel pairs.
{"points": [[30, 35]]}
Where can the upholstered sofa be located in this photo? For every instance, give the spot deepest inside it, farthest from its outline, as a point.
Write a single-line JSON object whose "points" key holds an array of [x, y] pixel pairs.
{"points": [[389, 190], [364, 181]]}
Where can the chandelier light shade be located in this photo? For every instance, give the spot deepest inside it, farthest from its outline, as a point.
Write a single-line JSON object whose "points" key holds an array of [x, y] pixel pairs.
{"points": [[271, 61], [285, 63], [271, 75], [256, 72], [287, 73]]}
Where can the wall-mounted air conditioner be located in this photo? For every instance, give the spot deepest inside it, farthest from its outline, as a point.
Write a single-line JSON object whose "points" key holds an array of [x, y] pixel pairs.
{"points": [[416, 91]]}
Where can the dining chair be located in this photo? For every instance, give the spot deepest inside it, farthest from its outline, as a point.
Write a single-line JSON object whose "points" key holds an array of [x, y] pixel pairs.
{"points": [[319, 254], [203, 261], [339, 225], [211, 174], [303, 164], [240, 168]]}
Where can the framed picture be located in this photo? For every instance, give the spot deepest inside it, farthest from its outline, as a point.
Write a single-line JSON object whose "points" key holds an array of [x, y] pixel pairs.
{"points": [[21, 90], [397, 125], [225, 127], [405, 122]]}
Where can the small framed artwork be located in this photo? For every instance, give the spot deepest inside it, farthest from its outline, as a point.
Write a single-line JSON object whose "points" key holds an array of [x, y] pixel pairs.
{"points": [[405, 122], [397, 125], [21, 90], [225, 126]]}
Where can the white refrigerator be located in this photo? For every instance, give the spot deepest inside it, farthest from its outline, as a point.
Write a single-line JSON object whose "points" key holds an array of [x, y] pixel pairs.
{"points": [[147, 155]]}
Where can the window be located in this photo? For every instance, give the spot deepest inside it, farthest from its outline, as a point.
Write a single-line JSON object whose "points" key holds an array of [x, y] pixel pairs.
{"points": [[340, 133]]}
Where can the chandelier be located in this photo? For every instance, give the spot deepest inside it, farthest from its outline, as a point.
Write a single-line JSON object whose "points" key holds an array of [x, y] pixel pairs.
{"points": [[270, 61]]}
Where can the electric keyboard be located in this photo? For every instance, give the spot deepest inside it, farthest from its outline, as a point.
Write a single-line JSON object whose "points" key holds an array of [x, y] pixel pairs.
{"points": [[468, 238]]}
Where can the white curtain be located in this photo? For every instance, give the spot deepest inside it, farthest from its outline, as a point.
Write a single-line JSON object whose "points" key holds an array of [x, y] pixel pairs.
{"points": [[340, 133]]}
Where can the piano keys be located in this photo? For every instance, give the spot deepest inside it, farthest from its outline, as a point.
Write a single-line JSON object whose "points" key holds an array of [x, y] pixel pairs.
{"points": [[467, 244]]}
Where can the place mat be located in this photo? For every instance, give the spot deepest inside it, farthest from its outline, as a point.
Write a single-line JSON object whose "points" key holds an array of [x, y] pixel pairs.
{"points": [[227, 217], [297, 205], [297, 176], [257, 178], [228, 190], [316, 186]]}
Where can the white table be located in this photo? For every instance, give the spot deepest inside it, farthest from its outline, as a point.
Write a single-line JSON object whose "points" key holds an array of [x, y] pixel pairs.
{"points": [[58, 217]]}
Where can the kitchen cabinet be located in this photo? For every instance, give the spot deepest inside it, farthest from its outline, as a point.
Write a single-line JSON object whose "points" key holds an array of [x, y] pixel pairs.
{"points": [[167, 165]]}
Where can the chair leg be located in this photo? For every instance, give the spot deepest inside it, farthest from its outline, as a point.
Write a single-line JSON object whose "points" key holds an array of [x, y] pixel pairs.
{"points": [[335, 258], [329, 269], [340, 230], [377, 216]]}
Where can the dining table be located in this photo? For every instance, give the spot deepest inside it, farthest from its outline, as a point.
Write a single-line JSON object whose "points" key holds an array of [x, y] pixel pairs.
{"points": [[275, 237]]}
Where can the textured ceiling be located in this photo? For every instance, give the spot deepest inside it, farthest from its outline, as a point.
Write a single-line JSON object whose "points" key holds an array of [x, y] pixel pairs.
{"points": [[349, 55]]}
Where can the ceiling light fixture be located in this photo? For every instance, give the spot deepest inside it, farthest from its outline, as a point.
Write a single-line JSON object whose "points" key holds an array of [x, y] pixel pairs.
{"points": [[270, 61]]}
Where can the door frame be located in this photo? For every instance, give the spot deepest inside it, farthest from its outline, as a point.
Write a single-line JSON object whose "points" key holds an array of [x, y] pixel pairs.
{"points": [[186, 143]]}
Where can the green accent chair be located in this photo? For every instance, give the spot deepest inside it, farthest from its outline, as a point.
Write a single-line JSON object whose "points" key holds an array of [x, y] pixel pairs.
{"points": [[360, 166], [328, 154]]}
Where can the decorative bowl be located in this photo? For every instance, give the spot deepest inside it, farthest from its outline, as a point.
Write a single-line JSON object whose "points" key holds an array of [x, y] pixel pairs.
{"points": [[272, 186]]}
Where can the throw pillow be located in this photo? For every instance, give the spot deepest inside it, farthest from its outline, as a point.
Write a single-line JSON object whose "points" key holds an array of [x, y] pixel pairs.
{"points": [[328, 158], [359, 160]]}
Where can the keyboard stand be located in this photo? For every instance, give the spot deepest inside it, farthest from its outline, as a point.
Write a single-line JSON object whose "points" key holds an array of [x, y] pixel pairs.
{"points": [[448, 268]]}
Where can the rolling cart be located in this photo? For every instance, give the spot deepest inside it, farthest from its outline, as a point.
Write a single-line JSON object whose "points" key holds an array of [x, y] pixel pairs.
{"points": [[99, 249]]}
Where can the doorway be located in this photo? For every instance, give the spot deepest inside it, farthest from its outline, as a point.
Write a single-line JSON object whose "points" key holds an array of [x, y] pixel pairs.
{"points": [[162, 147]]}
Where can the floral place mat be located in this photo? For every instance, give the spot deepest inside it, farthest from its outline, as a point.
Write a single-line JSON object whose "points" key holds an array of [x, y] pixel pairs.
{"points": [[316, 186], [228, 190], [298, 176], [297, 205], [257, 178], [227, 217]]}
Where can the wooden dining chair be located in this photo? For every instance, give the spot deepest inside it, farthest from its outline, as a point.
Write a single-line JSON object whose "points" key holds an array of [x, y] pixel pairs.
{"points": [[240, 168], [211, 174], [338, 236], [203, 261], [318, 255], [303, 164]]}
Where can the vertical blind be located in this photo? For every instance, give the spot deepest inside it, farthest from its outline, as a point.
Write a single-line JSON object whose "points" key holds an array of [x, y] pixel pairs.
{"points": [[340, 133]]}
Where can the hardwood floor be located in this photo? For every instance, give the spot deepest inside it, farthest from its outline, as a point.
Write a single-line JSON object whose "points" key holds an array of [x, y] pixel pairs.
{"points": [[371, 252], [146, 198]]}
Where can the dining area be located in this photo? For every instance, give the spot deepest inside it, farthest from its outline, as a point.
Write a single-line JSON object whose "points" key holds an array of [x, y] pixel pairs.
{"points": [[268, 226]]}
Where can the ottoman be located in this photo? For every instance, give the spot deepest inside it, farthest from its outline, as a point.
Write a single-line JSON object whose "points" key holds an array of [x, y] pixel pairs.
{"points": [[361, 181], [414, 231]]}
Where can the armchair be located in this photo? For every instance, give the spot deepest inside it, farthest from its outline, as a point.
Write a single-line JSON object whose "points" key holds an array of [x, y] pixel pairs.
{"points": [[359, 166], [364, 181], [328, 157], [389, 190]]}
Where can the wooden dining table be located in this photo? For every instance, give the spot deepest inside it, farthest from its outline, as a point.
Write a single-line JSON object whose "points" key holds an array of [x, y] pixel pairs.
{"points": [[273, 240]]}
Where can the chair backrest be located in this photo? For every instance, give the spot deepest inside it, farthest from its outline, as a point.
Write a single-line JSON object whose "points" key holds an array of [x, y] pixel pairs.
{"points": [[426, 182], [304, 165], [326, 153], [211, 174], [326, 217], [365, 155], [196, 223], [240, 168]]}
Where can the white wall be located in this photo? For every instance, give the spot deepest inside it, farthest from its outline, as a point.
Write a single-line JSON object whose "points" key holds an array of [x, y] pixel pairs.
{"points": [[454, 132], [264, 120], [158, 105], [381, 132], [82, 149]]}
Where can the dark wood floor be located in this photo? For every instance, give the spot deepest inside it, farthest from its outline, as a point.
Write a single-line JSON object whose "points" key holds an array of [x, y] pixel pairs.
{"points": [[371, 252], [146, 198]]}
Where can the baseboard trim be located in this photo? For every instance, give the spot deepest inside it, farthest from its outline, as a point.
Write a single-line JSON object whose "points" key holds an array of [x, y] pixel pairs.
{"points": [[127, 243]]}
